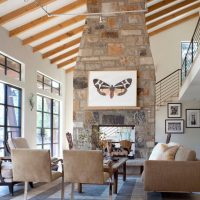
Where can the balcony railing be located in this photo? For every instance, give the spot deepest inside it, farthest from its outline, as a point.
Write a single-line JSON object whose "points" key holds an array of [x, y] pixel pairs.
{"points": [[167, 88], [191, 52]]}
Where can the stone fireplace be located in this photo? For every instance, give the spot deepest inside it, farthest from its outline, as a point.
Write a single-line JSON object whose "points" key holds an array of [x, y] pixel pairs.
{"points": [[113, 43]]}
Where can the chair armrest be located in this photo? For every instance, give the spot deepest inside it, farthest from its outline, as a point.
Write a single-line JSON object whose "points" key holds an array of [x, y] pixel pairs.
{"points": [[5, 158], [108, 168], [171, 175], [56, 161]]}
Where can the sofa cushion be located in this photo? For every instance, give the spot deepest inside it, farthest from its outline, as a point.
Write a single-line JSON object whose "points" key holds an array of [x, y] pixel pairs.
{"points": [[170, 152], [157, 151], [185, 154]]}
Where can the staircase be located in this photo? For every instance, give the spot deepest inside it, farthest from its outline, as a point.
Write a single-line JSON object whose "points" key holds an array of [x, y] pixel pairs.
{"points": [[167, 89]]}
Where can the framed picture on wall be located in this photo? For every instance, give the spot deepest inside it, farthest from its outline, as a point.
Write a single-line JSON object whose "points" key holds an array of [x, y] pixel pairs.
{"points": [[192, 118], [174, 110], [112, 89], [174, 126]]}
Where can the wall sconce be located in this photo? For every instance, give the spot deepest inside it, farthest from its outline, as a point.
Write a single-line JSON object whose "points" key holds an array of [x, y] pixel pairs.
{"points": [[32, 101]]}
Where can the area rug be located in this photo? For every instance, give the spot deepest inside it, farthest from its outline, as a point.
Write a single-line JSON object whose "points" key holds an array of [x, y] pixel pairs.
{"points": [[51, 191], [131, 189]]}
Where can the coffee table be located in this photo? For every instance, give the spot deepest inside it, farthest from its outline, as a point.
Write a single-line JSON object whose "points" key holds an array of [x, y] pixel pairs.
{"points": [[113, 169]]}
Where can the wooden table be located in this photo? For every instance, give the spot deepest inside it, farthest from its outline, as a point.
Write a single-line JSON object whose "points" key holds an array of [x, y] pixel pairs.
{"points": [[114, 170]]}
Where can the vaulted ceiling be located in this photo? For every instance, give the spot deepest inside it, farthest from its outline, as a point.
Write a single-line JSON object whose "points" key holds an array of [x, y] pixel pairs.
{"points": [[58, 37]]}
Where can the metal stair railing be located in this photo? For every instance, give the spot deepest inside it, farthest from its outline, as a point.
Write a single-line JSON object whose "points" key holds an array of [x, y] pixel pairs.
{"points": [[167, 88], [191, 52]]}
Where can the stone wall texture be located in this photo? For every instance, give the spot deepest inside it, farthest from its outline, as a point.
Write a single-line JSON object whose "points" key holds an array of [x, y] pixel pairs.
{"points": [[119, 42]]}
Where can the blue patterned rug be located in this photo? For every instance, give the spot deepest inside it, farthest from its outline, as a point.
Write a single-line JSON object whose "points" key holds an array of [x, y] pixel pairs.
{"points": [[131, 189], [51, 191]]}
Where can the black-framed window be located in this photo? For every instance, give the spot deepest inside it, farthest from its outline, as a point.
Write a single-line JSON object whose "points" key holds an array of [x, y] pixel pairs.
{"points": [[10, 113], [48, 124], [10, 67], [187, 49], [48, 84]]}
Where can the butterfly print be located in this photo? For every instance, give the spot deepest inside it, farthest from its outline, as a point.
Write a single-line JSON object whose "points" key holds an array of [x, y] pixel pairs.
{"points": [[118, 89]]}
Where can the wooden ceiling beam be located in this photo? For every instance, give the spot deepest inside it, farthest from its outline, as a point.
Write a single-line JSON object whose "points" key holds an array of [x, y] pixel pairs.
{"points": [[65, 55], [2, 1], [61, 48], [165, 19], [23, 11], [168, 10], [159, 5], [67, 62], [174, 24], [71, 69], [45, 18], [53, 29], [58, 39]]}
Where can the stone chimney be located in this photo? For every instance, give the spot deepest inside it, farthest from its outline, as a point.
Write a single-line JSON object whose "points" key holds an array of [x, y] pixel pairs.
{"points": [[113, 43]]}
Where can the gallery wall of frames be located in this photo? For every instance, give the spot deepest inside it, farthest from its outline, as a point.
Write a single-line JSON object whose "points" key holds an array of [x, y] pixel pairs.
{"points": [[176, 123]]}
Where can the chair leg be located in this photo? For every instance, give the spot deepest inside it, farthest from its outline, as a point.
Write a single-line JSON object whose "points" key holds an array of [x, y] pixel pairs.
{"points": [[145, 195], [72, 191], [10, 186], [25, 190], [110, 191], [31, 184], [63, 189]]}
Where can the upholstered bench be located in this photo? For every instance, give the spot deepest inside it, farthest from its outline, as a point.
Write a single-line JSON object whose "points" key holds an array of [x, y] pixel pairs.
{"points": [[135, 166]]}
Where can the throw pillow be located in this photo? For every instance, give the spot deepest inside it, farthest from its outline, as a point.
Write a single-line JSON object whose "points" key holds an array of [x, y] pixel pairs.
{"points": [[173, 144], [170, 152], [158, 151]]}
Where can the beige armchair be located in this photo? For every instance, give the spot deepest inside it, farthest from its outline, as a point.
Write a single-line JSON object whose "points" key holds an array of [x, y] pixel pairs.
{"points": [[6, 173], [20, 143], [33, 165], [126, 144], [17, 143], [85, 167]]}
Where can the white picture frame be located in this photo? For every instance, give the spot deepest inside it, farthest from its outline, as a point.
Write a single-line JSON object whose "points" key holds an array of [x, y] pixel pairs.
{"points": [[192, 118], [174, 126], [112, 89]]}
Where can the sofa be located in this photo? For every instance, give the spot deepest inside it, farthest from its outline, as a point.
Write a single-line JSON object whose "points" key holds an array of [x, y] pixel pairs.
{"points": [[172, 168]]}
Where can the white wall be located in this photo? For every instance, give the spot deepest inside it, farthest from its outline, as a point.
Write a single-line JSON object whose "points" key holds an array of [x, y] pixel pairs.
{"points": [[189, 138], [166, 47], [166, 51], [32, 63]]}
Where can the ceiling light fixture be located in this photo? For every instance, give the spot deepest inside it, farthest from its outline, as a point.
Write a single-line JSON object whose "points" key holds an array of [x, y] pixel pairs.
{"points": [[89, 14]]}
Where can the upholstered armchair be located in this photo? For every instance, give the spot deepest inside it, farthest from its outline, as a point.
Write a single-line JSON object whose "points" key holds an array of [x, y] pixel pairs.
{"points": [[33, 165], [20, 142], [126, 144], [6, 174], [85, 167]]}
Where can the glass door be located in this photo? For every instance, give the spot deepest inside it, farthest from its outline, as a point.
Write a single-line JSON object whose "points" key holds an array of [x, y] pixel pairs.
{"points": [[48, 120], [10, 114]]}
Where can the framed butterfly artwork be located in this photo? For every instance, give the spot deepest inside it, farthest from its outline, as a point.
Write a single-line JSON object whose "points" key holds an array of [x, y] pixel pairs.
{"points": [[112, 89]]}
